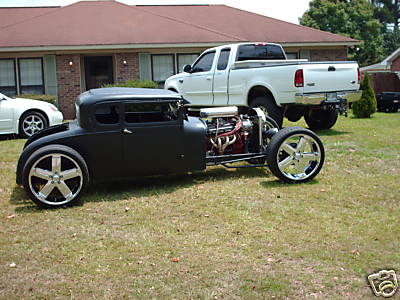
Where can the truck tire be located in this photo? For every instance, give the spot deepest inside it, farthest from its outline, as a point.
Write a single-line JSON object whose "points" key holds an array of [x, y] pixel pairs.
{"points": [[318, 119], [267, 103]]}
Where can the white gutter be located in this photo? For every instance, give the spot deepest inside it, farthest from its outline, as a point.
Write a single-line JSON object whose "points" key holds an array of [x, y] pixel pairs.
{"points": [[143, 46]]}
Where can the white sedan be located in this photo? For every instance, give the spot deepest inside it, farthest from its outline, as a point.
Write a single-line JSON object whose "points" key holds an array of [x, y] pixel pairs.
{"points": [[26, 116]]}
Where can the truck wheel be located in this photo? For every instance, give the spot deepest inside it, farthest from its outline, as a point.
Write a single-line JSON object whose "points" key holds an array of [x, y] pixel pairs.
{"points": [[267, 104], [321, 119], [55, 176], [295, 155]]}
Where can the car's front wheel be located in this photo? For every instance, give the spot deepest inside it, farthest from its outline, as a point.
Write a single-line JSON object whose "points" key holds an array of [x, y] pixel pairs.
{"points": [[30, 123], [55, 176], [295, 154]]}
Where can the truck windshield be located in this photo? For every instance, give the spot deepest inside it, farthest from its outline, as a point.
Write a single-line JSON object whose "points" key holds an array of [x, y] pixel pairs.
{"points": [[260, 52]]}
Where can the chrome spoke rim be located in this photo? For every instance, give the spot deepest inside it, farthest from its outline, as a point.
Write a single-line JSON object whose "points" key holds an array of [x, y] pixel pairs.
{"points": [[299, 156], [32, 124], [55, 179]]}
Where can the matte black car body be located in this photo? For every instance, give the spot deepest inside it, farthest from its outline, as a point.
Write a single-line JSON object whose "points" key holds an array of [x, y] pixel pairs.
{"points": [[125, 132], [178, 146]]}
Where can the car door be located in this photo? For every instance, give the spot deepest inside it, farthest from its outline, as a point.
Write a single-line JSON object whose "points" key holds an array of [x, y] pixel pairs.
{"points": [[221, 77], [152, 138], [197, 86], [6, 115], [102, 145]]}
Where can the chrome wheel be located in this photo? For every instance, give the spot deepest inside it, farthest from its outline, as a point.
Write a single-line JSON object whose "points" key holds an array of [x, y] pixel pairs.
{"points": [[55, 179], [299, 157], [32, 123]]}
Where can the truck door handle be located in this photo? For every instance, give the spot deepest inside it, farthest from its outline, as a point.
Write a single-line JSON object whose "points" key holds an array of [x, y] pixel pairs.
{"points": [[180, 80], [331, 68], [208, 78], [127, 131], [311, 84]]}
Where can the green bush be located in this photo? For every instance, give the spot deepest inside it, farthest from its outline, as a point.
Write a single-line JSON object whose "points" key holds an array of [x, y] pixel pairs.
{"points": [[134, 83], [47, 98], [366, 106]]}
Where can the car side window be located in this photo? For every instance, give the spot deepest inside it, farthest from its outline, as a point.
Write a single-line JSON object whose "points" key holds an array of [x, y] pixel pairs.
{"points": [[223, 59], [151, 112], [204, 63], [107, 113]]}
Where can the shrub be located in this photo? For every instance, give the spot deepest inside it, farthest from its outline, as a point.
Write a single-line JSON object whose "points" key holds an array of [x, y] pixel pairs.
{"points": [[134, 83], [47, 98], [366, 106]]}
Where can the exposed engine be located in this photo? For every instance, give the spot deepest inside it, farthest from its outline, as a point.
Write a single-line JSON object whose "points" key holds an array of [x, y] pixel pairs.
{"points": [[230, 133]]}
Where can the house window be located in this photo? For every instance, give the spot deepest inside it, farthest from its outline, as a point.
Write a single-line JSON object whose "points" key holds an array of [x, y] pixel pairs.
{"points": [[31, 76], [163, 66], [292, 55], [185, 59], [7, 77]]}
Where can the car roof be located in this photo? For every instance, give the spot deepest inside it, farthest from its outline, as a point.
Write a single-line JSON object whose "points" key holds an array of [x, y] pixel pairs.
{"points": [[122, 93]]}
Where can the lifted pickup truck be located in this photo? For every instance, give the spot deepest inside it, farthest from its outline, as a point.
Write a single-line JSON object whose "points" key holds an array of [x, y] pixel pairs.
{"points": [[260, 75]]}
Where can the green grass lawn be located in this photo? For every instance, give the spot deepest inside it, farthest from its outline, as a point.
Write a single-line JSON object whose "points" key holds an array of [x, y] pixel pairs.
{"points": [[217, 234]]}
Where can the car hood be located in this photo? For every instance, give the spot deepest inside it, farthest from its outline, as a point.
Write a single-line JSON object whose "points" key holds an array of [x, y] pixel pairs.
{"points": [[27, 103]]}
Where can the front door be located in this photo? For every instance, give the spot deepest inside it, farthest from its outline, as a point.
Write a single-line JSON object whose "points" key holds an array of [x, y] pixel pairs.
{"points": [[221, 78], [6, 115], [98, 71], [197, 86], [152, 139]]}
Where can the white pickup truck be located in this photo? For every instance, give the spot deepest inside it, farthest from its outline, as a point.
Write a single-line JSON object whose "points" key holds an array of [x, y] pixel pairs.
{"points": [[260, 75]]}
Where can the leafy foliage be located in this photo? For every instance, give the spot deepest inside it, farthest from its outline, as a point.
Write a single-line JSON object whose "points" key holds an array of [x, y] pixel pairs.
{"points": [[134, 83], [366, 106], [354, 19], [47, 98]]}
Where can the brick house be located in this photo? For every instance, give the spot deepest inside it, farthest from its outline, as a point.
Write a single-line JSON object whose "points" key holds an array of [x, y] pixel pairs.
{"points": [[66, 50], [385, 76]]}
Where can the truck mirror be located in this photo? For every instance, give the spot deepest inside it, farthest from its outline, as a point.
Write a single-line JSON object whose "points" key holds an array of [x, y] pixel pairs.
{"points": [[187, 69]]}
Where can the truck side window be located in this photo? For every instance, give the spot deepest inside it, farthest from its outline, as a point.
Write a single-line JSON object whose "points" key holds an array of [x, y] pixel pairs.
{"points": [[260, 52], [204, 63], [223, 59]]}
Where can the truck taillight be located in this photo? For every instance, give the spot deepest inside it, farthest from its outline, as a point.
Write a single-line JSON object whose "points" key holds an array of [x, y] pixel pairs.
{"points": [[299, 78], [358, 75]]}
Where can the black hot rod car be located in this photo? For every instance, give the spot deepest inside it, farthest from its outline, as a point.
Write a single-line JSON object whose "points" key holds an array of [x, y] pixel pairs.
{"points": [[125, 132]]}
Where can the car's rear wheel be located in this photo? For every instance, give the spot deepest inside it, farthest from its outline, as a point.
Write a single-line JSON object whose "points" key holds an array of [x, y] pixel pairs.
{"points": [[31, 122], [318, 119], [55, 176], [295, 155]]}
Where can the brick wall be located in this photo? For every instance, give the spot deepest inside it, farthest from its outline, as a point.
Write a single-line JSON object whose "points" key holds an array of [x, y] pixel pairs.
{"points": [[130, 70], [328, 54], [69, 83], [396, 65]]}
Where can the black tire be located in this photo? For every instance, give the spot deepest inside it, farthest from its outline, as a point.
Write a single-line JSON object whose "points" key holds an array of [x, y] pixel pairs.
{"points": [[394, 108], [37, 121], [43, 174], [286, 166], [267, 103], [318, 119]]}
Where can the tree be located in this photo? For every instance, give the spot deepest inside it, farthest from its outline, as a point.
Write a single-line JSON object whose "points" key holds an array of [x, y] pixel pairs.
{"points": [[352, 18], [388, 14], [366, 106]]}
